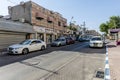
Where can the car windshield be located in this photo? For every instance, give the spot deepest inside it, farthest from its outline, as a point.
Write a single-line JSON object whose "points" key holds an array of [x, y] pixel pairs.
{"points": [[96, 39], [25, 42]]}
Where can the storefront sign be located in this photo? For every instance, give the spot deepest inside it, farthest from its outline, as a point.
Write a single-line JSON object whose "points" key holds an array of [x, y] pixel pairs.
{"points": [[39, 29], [48, 30]]}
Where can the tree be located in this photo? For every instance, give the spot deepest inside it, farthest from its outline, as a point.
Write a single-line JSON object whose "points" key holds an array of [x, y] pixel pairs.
{"points": [[104, 27], [113, 23]]}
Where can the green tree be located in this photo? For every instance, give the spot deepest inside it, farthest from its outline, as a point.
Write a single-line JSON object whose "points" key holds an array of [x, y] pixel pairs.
{"points": [[104, 27], [114, 22]]}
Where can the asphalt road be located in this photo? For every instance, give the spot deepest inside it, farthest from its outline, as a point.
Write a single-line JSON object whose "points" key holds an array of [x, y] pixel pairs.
{"points": [[71, 62]]}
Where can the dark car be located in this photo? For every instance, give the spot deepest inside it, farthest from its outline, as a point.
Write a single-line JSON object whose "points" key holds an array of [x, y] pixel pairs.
{"points": [[70, 40], [81, 39]]}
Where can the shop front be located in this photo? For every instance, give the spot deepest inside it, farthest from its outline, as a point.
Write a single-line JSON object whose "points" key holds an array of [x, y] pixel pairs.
{"points": [[115, 34], [12, 33], [50, 35], [39, 32]]}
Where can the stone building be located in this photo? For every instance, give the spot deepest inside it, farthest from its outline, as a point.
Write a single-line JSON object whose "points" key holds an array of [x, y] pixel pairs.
{"points": [[47, 24]]}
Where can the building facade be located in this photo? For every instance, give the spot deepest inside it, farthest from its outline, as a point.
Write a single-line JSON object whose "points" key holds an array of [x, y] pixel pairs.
{"points": [[47, 24]]}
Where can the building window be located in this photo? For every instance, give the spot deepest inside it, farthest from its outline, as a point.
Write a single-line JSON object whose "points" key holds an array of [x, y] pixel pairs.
{"points": [[59, 23]]}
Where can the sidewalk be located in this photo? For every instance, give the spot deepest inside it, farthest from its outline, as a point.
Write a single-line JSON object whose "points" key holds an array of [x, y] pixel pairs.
{"points": [[114, 60]]}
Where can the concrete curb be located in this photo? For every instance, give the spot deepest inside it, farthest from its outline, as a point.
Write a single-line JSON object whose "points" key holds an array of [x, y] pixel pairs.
{"points": [[107, 69]]}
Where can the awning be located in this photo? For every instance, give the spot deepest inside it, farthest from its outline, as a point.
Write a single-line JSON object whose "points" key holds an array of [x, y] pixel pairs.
{"points": [[50, 19], [8, 25], [114, 30], [65, 24], [40, 15]]}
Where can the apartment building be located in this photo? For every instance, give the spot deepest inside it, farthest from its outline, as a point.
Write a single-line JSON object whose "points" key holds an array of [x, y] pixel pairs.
{"points": [[47, 24]]}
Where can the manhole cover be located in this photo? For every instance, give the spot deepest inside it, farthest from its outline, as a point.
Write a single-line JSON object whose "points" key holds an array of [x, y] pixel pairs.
{"points": [[100, 74]]}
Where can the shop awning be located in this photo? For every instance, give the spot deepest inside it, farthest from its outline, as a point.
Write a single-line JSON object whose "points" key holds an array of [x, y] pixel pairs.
{"points": [[114, 30]]}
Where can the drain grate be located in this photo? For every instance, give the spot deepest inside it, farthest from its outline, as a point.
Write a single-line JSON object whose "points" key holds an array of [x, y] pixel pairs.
{"points": [[100, 74]]}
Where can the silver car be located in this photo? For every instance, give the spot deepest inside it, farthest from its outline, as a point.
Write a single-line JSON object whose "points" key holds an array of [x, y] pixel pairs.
{"points": [[58, 42]]}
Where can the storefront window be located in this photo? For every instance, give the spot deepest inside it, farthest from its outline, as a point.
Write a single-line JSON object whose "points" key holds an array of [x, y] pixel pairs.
{"points": [[28, 36], [41, 36]]}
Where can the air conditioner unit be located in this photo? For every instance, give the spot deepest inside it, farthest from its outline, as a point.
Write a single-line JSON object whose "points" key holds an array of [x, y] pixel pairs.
{"points": [[22, 20]]}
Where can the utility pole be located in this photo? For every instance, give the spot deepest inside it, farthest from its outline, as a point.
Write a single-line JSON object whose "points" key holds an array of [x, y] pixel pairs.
{"points": [[83, 32], [71, 25]]}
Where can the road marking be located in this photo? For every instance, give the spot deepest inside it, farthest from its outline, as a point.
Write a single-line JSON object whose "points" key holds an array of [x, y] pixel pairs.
{"points": [[107, 68]]}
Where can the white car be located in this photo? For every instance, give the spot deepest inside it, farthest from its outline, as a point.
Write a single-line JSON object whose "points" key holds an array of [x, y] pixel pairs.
{"points": [[27, 46], [96, 42]]}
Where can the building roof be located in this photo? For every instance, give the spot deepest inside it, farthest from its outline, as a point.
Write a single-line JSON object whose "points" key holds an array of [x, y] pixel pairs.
{"points": [[8, 25]]}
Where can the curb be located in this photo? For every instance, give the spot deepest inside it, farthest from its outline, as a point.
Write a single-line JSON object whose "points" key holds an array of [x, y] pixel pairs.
{"points": [[107, 68]]}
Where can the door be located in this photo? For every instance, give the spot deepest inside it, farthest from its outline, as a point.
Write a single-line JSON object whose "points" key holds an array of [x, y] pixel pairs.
{"points": [[39, 44], [33, 46], [63, 42]]}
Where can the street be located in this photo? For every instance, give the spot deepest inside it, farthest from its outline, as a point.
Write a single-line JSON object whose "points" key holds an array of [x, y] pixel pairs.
{"points": [[71, 62]]}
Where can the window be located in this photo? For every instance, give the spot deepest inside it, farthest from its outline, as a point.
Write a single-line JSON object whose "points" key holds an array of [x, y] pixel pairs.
{"points": [[38, 41], [59, 23], [33, 42]]}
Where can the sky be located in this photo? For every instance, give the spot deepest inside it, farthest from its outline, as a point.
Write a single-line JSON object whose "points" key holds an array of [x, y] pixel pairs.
{"points": [[92, 12]]}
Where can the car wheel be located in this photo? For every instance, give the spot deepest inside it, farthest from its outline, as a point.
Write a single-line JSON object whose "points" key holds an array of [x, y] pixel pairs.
{"points": [[25, 51], [59, 45], [43, 48]]}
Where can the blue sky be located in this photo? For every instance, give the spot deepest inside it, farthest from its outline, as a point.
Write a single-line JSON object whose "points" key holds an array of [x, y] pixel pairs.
{"points": [[93, 12]]}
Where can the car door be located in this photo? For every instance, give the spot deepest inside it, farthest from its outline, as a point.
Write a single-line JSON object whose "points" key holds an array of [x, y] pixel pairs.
{"points": [[33, 46], [63, 42], [39, 44]]}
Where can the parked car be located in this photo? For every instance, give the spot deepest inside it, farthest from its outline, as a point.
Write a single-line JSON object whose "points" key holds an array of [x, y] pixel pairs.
{"points": [[82, 39], [27, 46], [96, 41], [58, 42], [70, 40]]}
